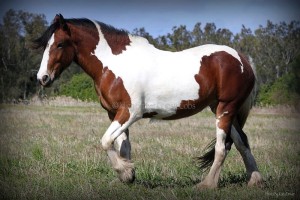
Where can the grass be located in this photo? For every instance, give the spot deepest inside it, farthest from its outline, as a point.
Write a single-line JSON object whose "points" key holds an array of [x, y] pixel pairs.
{"points": [[54, 152]]}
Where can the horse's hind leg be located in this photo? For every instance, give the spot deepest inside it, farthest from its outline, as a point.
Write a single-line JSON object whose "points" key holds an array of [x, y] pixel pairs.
{"points": [[228, 142], [240, 140], [224, 116]]}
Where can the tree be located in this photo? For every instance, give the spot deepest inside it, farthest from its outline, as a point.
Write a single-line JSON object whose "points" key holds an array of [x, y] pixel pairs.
{"points": [[197, 35], [143, 33], [245, 41], [180, 39], [284, 90], [278, 45], [224, 37], [18, 62], [209, 34], [16, 58]]}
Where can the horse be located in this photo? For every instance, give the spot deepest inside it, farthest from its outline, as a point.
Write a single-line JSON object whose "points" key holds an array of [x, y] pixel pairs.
{"points": [[135, 80]]}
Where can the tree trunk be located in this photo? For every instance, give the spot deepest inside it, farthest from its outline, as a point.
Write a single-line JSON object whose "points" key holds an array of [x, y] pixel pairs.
{"points": [[25, 90], [2, 89]]}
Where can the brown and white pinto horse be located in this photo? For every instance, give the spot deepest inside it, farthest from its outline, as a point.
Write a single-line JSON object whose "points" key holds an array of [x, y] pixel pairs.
{"points": [[134, 80]]}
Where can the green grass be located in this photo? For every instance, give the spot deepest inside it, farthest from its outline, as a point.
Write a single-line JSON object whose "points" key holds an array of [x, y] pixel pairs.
{"points": [[54, 152]]}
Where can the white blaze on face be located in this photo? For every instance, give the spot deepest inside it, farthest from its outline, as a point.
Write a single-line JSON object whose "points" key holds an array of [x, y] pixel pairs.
{"points": [[44, 63]]}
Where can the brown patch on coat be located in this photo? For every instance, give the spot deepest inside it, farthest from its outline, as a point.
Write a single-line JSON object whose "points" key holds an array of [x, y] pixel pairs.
{"points": [[113, 96], [89, 63], [116, 39], [233, 89], [220, 80]]}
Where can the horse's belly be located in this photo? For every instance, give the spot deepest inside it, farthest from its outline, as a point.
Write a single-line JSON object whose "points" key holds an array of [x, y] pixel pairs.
{"points": [[165, 111], [164, 104]]}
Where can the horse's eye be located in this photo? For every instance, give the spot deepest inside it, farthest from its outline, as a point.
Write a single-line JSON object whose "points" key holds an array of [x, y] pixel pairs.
{"points": [[60, 45]]}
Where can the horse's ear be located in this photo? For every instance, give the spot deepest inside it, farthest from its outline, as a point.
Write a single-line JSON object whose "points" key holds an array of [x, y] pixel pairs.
{"points": [[62, 23]]}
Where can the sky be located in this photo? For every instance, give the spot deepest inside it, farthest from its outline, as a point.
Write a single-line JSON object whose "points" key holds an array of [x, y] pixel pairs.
{"points": [[159, 16]]}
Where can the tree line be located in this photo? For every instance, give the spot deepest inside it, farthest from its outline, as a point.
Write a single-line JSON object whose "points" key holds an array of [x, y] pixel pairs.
{"points": [[274, 49]]}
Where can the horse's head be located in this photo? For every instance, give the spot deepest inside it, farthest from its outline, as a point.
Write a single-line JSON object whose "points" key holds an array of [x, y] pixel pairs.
{"points": [[59, 50]]}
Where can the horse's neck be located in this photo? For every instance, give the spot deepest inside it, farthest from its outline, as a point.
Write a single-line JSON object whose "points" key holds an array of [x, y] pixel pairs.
{"points": [[97, 48], [85, 47]]}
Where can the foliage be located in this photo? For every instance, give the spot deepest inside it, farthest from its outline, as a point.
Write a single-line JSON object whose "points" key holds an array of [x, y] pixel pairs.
{"points": [[18, 62], [285, 90], [276, 47], [79, 87], [282, 91]]}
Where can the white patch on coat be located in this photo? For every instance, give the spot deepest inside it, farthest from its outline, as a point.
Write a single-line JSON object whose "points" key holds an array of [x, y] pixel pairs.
{"points": [[156, 80], [222, 115], [44, 64], [221, 135], [107, 138], [212, 178], [115, 130], [209, 49], [220, 140]]}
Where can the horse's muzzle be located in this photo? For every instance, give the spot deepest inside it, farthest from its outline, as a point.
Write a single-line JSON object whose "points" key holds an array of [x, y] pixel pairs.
{"points": [[45, 81]]}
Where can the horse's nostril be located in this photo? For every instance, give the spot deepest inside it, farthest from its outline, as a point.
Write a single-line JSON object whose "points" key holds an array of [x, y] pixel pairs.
{"points": [[45, 80]]}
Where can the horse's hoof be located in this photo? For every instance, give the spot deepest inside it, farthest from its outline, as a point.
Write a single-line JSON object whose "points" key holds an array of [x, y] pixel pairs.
{"points": [[127, 176], [204, 185], [255, 180]]}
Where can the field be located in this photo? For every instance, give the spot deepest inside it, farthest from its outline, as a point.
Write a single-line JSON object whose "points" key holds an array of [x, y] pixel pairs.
{"points": [[54, 152]]}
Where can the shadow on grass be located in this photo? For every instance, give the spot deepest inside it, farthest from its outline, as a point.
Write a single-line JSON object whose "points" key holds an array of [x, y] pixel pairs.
{"points": [[167, 183], [228, 179]]}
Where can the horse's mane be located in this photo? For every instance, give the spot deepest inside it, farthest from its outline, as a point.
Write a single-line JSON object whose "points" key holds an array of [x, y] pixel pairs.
{"points": [[42, 41], [105, 28]]}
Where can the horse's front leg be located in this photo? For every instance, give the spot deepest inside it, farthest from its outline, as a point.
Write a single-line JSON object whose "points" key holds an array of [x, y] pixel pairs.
{"points": [[120, 158], [116, 142], [122, 145]]}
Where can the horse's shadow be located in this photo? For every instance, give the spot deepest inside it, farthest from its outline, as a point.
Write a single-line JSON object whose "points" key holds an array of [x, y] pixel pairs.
{"points": [[166, 183], [233, 179], [239, 179]]}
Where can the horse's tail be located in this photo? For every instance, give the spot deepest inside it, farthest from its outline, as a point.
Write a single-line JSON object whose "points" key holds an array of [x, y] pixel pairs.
{"points": [[206, 160]]}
